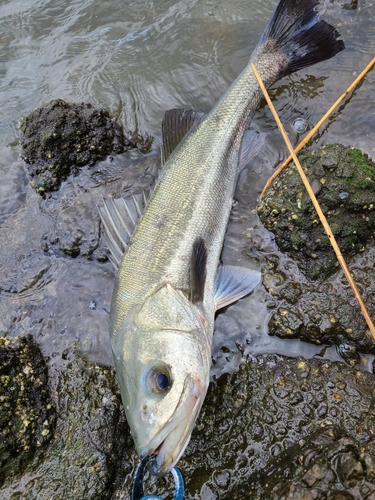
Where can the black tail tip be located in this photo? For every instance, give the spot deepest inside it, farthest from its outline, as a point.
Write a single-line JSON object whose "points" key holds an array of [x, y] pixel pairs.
{"points": [[301, 35]]}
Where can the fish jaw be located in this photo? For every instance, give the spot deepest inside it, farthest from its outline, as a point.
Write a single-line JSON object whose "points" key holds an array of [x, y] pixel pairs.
{"points": [[170, 441], [166, 333]]}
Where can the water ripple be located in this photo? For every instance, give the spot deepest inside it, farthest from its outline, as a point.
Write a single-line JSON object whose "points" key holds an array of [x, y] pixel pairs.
{"points": [[138, 59]]}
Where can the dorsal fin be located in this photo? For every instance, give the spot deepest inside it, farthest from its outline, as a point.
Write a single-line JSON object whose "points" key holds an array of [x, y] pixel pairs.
{"points": [[120, 217], [198, 270], [232, 283], [176, 124]]}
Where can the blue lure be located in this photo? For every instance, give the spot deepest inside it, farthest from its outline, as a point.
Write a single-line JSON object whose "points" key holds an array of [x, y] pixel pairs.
{"points": [[137, 490]]}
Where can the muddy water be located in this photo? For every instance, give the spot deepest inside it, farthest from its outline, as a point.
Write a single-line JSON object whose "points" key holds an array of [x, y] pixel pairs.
{"points": [[138, 59]]}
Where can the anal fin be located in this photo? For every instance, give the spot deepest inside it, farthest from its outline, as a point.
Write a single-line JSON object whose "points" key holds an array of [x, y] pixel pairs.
{"points": [[252, 142], [232, 283]]}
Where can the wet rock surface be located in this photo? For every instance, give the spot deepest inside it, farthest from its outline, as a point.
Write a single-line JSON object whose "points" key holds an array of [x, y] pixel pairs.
{"points": [[256, 416], [324, 311], [279, 428], [317, 304], [85, 456], [55, 281], [76, 229], [343, 179], [326, 465], [27, 413], [60, 137]]}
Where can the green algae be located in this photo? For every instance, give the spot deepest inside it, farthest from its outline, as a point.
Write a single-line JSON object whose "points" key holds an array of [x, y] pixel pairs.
{"points": [[343, 180]]}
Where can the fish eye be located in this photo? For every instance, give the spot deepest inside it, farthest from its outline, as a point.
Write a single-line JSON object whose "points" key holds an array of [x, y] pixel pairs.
{"points": [[158, 379]]}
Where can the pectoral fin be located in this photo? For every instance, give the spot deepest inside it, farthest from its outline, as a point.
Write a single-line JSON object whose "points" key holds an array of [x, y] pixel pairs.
{"points": [[198, 271], [120, 217], [232, 283]]}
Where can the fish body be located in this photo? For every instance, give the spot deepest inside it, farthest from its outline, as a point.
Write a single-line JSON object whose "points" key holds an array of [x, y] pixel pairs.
{"points": [[170, 281]]}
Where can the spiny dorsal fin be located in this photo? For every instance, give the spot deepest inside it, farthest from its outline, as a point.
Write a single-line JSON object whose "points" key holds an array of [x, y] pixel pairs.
{"points": [[198, 271], [232, 283], [176, 124], [120, 217]]}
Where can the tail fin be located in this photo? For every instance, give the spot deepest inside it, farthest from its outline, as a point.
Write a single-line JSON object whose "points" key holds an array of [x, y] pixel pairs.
{"points": [[297, 30]]}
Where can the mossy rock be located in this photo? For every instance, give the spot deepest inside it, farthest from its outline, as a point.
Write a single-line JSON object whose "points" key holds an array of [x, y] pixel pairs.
{"points": [[311, 420], [60, 137], [27, 413], [90, 448], [343, 179]]}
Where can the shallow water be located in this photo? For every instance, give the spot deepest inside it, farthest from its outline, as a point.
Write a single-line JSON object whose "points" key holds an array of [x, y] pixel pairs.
{"points": [[138, 59]]}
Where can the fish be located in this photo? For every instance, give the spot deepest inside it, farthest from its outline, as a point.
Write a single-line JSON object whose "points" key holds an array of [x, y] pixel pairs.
{"points": [[166, 245]]}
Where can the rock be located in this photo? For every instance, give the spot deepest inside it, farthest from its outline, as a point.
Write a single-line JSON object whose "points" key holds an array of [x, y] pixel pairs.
{"points": [[261, 434], [60, 137], [312, 469], [89, 450], [263, 429], [343, 179], [317, 305], [27, 413], [322, 312]]}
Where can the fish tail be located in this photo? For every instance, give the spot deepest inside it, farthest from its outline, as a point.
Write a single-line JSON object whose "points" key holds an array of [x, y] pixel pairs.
{"points": [[296, 30]]}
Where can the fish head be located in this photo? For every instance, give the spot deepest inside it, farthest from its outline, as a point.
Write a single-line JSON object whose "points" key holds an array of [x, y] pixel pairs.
{"points": [[163, 358]]}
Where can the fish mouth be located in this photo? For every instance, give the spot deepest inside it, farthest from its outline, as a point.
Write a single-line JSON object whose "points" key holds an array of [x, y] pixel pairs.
{"points": [[170, 442]]}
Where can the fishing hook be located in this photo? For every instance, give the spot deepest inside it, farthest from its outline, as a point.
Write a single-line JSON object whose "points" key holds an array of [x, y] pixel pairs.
{"points": [[137, 489]]}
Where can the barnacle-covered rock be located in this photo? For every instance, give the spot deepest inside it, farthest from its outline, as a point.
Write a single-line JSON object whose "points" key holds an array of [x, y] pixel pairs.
{"points": [[89, 447], [317, 305], [343, 179], [27, 413], [60, 137], [324, 311], [277, 428]]}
